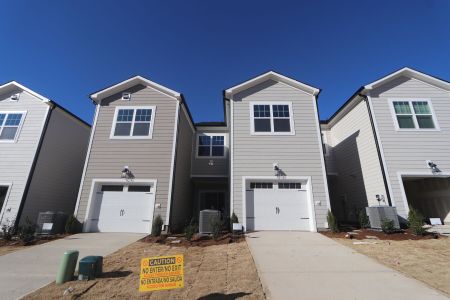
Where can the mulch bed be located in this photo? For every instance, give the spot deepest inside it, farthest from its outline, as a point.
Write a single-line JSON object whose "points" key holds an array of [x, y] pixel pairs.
{"points": [[361, 234], [178, 240], [42, 239]]}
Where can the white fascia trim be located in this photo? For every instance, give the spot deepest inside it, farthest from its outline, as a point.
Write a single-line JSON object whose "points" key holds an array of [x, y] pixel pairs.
{"points": [[312, 222], [5, 202], [97, 181], [24, 88], [322, 159], [271, 103], [412, 174], [172, 164], [86, 161], [411, 74], [276, 77], [131, 137], [231, 157], [413, 114], [380, 145], [131, 82]]}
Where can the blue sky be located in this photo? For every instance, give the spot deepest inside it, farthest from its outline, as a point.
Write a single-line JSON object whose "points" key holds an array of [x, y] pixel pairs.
{"points": [[66, 50]]}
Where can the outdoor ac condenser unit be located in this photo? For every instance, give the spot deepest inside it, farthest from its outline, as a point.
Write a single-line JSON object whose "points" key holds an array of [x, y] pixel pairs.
{"points": [[51, 222], [206, 217], [376, 215]]}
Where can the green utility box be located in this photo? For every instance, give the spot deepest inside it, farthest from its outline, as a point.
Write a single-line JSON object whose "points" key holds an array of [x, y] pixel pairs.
{"points": [[67, 266], [90, 267]]}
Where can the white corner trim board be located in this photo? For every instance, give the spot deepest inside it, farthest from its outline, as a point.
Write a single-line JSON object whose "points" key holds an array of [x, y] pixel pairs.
{"points": [[172, 164], [88, 153]]}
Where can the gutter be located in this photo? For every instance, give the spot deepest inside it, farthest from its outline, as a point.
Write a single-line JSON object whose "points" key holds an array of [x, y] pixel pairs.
{"points": [[33, 167], [388, 195]]}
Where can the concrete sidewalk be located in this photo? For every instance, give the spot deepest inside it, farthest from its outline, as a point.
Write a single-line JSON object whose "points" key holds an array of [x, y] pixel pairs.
{"points": [[304, 265], [24, 271]]}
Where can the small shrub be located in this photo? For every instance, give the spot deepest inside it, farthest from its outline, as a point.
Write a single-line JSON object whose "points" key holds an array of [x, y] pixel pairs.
{"points": [[233, 219], [363, 219], [157, 226], [73, 225], [387, 226], [27, 231], [332, 222], [8, 230], [216, 227], [190, 230], [415, 221]]}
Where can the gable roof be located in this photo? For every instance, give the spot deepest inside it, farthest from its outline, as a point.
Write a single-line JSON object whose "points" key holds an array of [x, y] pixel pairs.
{"points": [[123, 85], [362, 91], [410, 73], [15, 84], [271, 75]]}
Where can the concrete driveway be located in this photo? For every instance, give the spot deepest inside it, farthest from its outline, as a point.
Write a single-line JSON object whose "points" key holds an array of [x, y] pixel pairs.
{"points": [[304, 265], [24, 271]]}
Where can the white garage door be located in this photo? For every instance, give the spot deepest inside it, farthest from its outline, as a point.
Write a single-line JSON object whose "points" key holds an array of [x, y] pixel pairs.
{"points": [[277, 206], [123, 208]]}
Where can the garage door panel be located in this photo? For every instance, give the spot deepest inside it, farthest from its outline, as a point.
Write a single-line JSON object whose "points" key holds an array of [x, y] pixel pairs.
{"points": [[122, 211], [277, 209]]}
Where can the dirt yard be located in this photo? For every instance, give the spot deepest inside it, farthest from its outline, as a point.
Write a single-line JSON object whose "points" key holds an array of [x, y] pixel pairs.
{"points": [[427, 260], [224, 271]]}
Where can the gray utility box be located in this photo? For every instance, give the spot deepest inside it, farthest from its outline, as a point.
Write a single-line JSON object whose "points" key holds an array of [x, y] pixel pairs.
{"points": [[205, 220], [376, 215], [51, 222]]}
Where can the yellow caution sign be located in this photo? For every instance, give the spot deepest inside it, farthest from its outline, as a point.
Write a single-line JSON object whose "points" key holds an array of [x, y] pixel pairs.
{"points": [[161, 273]]}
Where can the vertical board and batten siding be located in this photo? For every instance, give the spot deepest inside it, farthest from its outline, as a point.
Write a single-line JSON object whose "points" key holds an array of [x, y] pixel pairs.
{"points": [[408, 151], [16, 159], [181, 208], [146, 158], [201, 166], [359, 177], [56, 177], [297, 155]]}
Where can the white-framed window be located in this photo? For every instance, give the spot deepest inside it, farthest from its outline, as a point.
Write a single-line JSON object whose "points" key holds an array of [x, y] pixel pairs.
{"points": [[126, 96], [271, 118], [289, 185], [133, 122], [10, 125], [413, 114], [210, 145], [261, 185]]}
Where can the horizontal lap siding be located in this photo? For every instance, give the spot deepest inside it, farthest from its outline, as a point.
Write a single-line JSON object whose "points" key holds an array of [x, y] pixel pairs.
{"points": [[201, 166], [181, 209], [297, 155], [146, 158], [16, 158], [408, 151], [56, 178], [355, 156]]}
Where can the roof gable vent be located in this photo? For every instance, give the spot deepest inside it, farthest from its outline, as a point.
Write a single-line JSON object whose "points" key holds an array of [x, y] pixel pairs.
{"points": [[126, 96], [15, 97]]}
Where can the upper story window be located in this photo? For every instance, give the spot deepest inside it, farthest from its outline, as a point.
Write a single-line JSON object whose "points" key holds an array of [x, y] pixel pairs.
{"points": [[133, 122], [210, 145], [10, 123], [271, 118], [412, 114]]}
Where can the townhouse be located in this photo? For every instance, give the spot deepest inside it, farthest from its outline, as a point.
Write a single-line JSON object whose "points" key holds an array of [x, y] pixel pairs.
{"points": [[389, 144], [42, 150], [146, 158]]}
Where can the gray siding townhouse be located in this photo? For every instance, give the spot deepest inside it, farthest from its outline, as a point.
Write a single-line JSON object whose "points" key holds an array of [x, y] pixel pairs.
{"points": [[389, 144], [42, 150], [146, 158]]}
